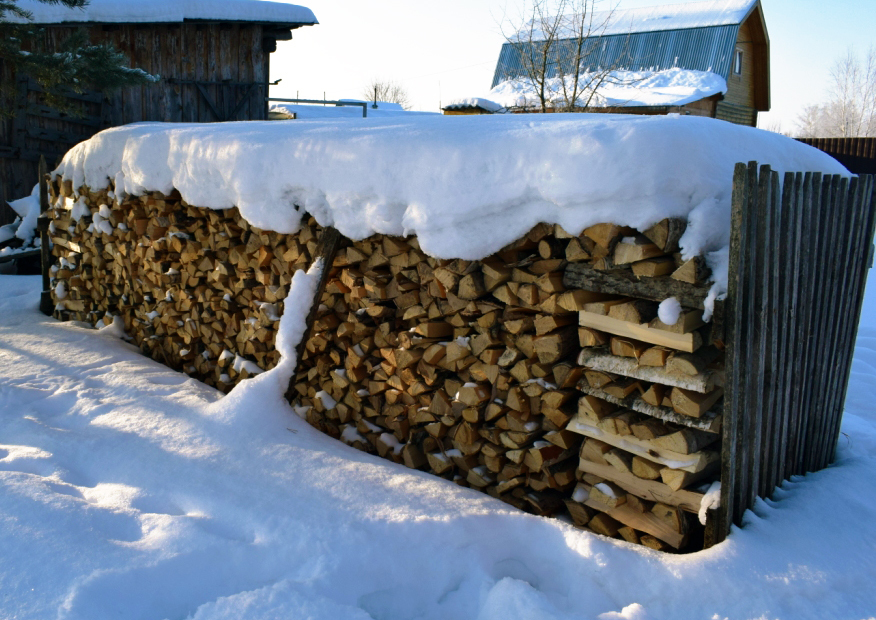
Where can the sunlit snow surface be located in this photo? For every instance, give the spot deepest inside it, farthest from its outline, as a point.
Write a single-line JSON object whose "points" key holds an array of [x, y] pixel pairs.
{"points": [[465, 185], [131, 491]]}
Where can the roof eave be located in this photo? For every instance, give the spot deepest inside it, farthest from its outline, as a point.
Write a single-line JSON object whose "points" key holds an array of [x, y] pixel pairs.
{"points": [[186, 20]]}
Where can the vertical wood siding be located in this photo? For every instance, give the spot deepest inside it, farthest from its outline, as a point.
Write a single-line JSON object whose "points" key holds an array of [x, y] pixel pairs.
{"points": [[856, 154], [227, 58]]}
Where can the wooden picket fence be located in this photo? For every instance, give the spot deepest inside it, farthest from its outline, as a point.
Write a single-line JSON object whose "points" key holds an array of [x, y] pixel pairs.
{"points": [[800, 252], [856, 154]]}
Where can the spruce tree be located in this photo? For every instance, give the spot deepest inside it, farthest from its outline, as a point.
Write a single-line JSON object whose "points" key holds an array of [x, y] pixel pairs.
{"points": [[77, 65]]}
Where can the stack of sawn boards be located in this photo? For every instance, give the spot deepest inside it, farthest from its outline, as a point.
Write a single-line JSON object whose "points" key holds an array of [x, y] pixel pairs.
{"points": [[540, 375]]}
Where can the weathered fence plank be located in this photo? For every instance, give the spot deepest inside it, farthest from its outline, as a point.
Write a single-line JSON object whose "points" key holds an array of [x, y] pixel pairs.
{"points": [[861, 224], [799, 256]]}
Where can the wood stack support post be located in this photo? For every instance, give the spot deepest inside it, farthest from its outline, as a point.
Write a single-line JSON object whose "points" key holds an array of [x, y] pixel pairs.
{"points": [[43, 222], [542, 374]]}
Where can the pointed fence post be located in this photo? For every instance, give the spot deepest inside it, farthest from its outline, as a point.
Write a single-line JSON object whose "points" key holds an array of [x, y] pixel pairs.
{"points": [[46, 304]]}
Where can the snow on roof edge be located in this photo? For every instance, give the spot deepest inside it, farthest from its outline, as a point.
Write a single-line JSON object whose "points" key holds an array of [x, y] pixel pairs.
{"points": [[171, 11], [680, 16]]}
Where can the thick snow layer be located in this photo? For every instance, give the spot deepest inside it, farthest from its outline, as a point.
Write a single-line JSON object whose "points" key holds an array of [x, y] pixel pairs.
{"points": [[650, 19], [671, 87], [157, 11], [466, 185], [132, 491], [28, 209]]}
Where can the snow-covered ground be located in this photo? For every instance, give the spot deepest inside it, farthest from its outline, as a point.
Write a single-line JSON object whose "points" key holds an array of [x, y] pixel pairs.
{"points": [[132, 491], [311, 111]]}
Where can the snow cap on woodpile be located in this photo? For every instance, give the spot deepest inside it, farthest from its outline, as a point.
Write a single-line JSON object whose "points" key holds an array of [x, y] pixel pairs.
{"points": [[466, 186]]}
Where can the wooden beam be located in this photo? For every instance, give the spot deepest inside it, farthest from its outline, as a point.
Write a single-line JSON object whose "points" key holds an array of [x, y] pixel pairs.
{"points": [[710, 422], [674, 460], [681, 342], [647, 489], [643, 521], [328, 246], [600, 359], [623, 282]]}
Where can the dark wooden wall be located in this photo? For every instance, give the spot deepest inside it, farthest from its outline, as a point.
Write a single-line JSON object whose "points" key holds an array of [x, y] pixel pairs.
{"points": [[856, 154], [209, 72], [799, 258]]}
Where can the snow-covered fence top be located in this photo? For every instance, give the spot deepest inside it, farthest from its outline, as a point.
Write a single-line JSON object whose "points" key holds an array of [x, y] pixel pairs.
{"points": [[159, 11], [465, 186]]}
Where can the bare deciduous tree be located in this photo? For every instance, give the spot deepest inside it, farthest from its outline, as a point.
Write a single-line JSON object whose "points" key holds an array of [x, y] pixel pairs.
{"points": [[384, 90], [556, 51], [850, 111]]}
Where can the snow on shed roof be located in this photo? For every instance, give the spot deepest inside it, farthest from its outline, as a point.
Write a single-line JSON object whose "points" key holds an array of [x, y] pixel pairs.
{"points": [[619, 89], [682, 16], [659, 18], [699, 36], [161, 11]]}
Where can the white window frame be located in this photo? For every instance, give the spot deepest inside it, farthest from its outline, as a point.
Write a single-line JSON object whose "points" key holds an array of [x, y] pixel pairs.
{"points": [[737, 62]]}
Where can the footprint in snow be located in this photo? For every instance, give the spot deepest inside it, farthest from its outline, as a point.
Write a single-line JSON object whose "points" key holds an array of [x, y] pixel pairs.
{"points": [[150, 504], [165, 379]]}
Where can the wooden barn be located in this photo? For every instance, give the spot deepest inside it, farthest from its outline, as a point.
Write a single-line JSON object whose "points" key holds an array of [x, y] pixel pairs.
{"points": [[213, 60], [723, 37]]}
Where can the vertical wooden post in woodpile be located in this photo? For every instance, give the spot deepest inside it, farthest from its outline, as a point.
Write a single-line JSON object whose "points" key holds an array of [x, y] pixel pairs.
{"points": [[326, 250], [43, 222]]}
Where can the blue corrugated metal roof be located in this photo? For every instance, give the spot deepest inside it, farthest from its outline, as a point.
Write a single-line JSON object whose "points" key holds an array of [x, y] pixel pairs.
{"points": [[700, 49]]}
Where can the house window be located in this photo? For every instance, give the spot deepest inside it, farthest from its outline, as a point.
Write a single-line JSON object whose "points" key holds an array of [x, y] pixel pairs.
{"points": [[737, 62]]}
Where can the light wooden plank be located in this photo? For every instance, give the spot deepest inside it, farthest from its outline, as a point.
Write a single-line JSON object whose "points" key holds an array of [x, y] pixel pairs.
{"points": [[643, 521], [674, 460], [709, 422], [651, 490], [600, 359], [681, 342]]}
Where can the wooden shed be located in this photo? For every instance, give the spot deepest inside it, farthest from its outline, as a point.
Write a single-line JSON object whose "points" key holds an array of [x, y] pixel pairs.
{"points": [[725, 37], [213, 60]]}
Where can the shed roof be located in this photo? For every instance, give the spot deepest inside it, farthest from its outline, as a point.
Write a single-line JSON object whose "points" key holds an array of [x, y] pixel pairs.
{"points": [[655, 19], [172, 11], [699, 36]]}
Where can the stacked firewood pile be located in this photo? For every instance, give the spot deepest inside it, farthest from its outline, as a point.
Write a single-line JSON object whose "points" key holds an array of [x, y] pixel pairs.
{"points": [[200, 290], [541, 375]]}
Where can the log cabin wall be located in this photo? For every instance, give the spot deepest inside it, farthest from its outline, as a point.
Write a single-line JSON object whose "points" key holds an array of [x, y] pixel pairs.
{"points": [[209, 72], [748, 92]]}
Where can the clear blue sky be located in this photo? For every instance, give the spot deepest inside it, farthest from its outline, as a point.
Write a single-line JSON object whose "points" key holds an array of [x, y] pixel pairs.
{"points": [[444, 50]]}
